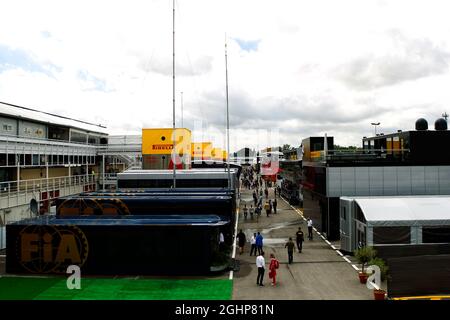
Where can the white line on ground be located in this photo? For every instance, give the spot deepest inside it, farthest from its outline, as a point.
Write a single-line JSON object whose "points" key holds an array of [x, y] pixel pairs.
{"points": [[234, 240], [328, 242], [2, 255]]}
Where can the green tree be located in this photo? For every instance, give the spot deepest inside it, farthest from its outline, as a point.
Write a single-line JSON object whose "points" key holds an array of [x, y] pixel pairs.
{"points": [[364, 255]]}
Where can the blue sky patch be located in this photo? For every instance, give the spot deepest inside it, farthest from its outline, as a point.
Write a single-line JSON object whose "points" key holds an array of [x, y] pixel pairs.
{"points": [[17, 58], [96, 84], [46, 34], [248, 45]]}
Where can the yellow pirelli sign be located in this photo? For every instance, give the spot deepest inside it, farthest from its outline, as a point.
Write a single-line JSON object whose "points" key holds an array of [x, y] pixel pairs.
{"points": [[201, 150], [161, 141], [217, 154]]}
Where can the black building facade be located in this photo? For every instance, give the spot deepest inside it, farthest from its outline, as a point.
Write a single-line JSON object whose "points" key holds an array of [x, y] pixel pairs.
{"points": [[402, 163]]}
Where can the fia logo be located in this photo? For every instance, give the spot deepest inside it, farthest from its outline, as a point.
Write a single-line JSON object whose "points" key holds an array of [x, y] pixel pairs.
{"points": [[50, 249]]}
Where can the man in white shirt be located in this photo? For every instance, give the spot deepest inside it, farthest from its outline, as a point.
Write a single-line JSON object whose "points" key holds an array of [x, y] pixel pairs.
{"points": [[310, 227], [261, 265], [253, 243]]}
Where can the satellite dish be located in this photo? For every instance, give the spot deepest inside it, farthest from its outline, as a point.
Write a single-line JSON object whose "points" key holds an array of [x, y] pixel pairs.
{"points": [[34, 206]]}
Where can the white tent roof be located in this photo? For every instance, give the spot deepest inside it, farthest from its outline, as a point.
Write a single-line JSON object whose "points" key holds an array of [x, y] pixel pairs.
{"points": [[36, 115], [405, 211]]}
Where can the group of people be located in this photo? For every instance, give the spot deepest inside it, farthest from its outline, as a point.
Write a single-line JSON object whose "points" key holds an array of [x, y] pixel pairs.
{"points": [[256, 242], [270, 206], [250, 179], [260, 187], [261, 265]]}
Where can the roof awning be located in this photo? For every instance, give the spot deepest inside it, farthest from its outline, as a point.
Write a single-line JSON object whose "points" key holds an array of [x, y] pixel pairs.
{"points": [[405, 211]]}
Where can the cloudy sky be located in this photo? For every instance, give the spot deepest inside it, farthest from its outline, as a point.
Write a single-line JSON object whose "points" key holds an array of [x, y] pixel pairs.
{"points": [[296, 68]]}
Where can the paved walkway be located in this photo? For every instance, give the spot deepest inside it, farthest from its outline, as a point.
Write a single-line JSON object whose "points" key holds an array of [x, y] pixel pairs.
{"points": [[316, 273]]}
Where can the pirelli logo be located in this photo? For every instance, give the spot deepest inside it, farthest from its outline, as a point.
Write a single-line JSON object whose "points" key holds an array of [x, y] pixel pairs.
{"points": [[162, 147]]}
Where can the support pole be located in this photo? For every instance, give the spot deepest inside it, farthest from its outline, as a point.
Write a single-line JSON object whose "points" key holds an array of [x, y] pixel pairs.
{"points": [[174, 155], [103, 172], [18, 174], [228, 117]]}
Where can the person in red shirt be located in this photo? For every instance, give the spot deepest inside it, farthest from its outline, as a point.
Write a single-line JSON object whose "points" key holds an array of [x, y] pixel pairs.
{"points": [[274, 265]]}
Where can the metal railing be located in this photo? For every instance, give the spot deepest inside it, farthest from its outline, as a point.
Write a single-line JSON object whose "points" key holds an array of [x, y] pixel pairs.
{"points": [[14, 193], [107, 178], [356, 154], [12, 140]]}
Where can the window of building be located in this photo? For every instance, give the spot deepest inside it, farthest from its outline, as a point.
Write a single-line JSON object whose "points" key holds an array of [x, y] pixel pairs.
{"points": [[439, 234], [360, 215], [35, 160], [79, 137], [317, 147], [93, 139], [343, 213], [389, 145], [392, 235], [7, 128], [58, 133]]}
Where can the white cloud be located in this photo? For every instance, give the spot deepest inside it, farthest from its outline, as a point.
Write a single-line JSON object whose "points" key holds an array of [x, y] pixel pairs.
{"points": [[320, 66]]}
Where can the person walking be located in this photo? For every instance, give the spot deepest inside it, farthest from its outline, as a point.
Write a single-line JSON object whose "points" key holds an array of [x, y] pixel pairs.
{"points": [[310, 229], [275, 192], [251, 211], [274, 204], [245, 211], [258, 211], [273, 266], [267, 208], [255, 198], [241, 241], [261, 265], [253, 243], [300, 238], [290, 248], [259, 242], [266, 192]]}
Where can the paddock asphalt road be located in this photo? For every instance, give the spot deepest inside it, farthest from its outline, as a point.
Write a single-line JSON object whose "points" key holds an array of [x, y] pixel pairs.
{"points": [[318, 273]]}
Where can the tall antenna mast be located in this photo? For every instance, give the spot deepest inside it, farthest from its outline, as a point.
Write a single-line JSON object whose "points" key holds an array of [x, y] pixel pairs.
{"points": [[182, 109], [228, 115], [173, 98]]}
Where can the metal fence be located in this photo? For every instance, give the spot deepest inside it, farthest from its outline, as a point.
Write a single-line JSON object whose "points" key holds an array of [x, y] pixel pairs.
{"points": [[13, 193], [35, 185]]}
